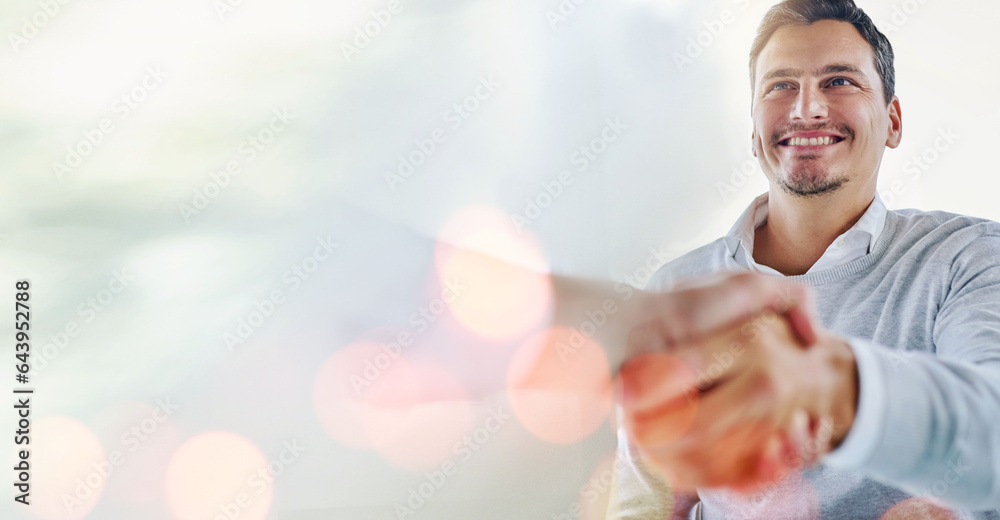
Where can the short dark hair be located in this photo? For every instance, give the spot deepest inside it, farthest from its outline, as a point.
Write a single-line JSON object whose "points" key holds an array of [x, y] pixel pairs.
{"points": [[806, 12]]}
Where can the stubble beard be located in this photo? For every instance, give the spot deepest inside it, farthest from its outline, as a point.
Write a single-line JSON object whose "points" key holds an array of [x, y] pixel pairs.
{"points": [[807, 180]]}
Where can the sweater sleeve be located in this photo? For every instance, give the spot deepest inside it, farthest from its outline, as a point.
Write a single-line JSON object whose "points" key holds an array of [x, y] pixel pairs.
{"points": [[937, 434]]}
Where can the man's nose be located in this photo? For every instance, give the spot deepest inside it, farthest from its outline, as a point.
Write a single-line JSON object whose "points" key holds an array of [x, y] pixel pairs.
{"points": [[809, 104]]}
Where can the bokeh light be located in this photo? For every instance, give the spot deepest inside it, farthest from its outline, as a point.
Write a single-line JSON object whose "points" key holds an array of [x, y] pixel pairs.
{"points": [[415, 413], [412, 413], [559, 385], [211, 477], [509, 291], [69, 469], [338, 388]]}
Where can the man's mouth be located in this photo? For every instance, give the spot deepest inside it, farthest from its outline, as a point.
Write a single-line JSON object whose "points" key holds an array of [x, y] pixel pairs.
{"points": [[811, 141]]}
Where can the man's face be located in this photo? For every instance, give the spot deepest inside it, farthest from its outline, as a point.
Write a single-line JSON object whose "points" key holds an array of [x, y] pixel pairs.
{"points": [[819, 115]]}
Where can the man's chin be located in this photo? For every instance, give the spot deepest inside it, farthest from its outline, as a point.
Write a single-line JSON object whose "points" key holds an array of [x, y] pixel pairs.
{"points": [[811, 184]]}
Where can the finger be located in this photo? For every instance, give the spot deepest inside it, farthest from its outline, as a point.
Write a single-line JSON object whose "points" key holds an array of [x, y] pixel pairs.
{"points": [[783, 452], [790, 446], [728, 461], [718, 357], [653, 380], [734, 455], [749, 429], [741, 467], [662, 391], [764, 471], [800, 438], [821, 434], [801, 321], [701, 306], [688, 370], [746, 398], [788, 450], [718, 412], [659, 400]]}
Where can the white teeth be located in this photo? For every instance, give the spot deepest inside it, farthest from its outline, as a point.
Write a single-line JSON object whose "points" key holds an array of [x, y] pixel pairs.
{"points": [[813, 141]]}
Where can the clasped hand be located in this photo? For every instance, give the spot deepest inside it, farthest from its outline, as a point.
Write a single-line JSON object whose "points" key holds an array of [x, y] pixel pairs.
{"points": [[731, 382]]}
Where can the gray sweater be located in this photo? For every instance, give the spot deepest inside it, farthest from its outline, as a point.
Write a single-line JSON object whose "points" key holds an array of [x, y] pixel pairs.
{"points": [[922, 312]]}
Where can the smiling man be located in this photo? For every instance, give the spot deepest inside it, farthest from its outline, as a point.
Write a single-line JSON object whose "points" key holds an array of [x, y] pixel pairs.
{"points": [[882, 405]]}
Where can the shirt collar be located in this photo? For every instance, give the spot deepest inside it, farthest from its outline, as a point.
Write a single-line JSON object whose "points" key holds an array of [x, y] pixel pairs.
{"points": [[742, 231], [865, 231]]}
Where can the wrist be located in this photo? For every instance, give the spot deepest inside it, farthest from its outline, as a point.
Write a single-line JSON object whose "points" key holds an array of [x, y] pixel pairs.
{"points": [[603, 310], [844, 405]]}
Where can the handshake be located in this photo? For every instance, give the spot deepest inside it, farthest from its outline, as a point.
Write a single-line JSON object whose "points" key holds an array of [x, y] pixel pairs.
{"points": [[724, 381], [729, 381]]}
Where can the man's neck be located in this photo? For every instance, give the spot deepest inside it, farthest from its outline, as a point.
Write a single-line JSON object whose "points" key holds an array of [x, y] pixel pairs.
{"points": [[798, 230]]}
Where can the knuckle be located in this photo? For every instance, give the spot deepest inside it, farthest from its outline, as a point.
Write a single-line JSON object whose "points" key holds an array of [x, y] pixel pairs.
{"points": [[678, 321], [763, 390]]}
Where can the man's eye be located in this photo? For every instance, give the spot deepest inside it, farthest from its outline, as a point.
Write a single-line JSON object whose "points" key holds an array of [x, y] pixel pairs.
{"points": [[780, 86], [834, 82]]}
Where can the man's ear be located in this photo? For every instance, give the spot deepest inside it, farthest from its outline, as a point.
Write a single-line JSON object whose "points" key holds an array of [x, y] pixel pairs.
{"points": [[895, 123]]}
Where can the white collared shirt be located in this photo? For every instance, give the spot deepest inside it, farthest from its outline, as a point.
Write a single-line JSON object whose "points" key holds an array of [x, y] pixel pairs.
{"points": [[853, 244]]}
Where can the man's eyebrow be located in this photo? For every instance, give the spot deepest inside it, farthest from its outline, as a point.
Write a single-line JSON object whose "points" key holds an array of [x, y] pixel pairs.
{"points": [[837, 68], [833, 68], [782, 73]]}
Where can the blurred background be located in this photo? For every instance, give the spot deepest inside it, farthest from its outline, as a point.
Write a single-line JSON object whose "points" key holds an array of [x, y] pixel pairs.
{"points": [[232, 216]]}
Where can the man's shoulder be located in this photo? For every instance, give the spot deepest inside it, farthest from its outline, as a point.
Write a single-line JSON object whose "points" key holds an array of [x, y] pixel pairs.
{"points": [[941, 243], [707, 259], [943, 225]]}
